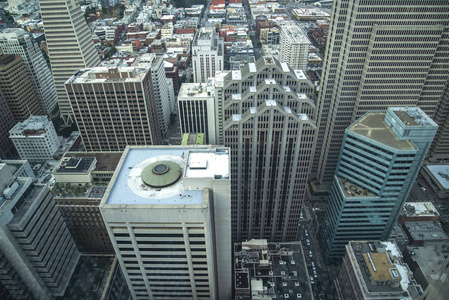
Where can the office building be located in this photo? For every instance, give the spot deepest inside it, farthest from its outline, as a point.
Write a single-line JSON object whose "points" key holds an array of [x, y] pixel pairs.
{"points": [[440, 147], [294, 47], [163, 96], [37, 251], [207, 54], [70, 45], [264, 114], [417, 212], [196, 109], [379, 161], [16, 88], [168, 211], [80, 182], [18, 42], [375, 270], [379, 55], [114, 107], [265, 270], [35, 139], [6, 123]]}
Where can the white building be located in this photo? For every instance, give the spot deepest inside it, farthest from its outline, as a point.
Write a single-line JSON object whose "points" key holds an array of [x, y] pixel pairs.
{"points": [[294, 47], [162, 88], [35, 139], [196, 109], [207, 54], [20, 43], [167, 211]]}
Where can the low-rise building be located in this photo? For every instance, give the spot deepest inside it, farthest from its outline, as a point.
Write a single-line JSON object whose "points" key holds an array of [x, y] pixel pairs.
{"points": [[418, 211], [35, 139], [265, 270], [420, 232], [437, 176]]}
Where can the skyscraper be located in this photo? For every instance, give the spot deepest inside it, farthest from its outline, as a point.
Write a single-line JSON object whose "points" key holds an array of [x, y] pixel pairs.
{"points": [[264, 114], [70, 45], [207, 54], [167, 211], [16, 88], [379, 161], [114, 107], [379, 54], [294, 47], [164, 98], [18, 42], [6, 123], [38, 254]]}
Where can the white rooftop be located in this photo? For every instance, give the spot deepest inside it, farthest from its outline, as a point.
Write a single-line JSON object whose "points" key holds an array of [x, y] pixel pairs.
{"points": [[127, 186], [441, 173]]}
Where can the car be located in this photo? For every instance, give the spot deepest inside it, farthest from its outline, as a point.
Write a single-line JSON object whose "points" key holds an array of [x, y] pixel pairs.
{"points": [[305, 231], [311, 280], [310, 254], [424, 189], [313, 265], [308, 242]]}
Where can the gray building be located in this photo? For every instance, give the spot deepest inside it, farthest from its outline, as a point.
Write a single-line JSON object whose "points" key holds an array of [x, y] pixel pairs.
{"points": [[167, 211], [207, 54], [37, 252], [264, 112], [379, 55], [379, 161]]}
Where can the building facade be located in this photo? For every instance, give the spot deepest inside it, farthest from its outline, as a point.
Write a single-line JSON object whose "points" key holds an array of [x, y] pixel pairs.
{"points": [[38, 253], [196, 110], [163, 96], [35, 139], [16, 88], [80, 182], [167, 211], [379, 55], [114, 107], [70, 45], [294, 47], [207, 55], [380, 158], [6, 124], [264, 114], [20, 43]]}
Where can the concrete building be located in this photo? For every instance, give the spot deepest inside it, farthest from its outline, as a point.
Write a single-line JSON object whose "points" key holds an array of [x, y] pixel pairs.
{"points": [[207, 55], [18, 42], [114, 107], [163, 96], [424, 231], [172, 72], [70, 45], [35, 139], [80, 182], [379, 161], [438, 287], [264, 114], [294, 48], [37, 253], [168, 211], [16, 88], [196, 110], [7, 123], [18, 168], [265, 270], [387, 62], [418, 211], [375, 270], [437, 176]]}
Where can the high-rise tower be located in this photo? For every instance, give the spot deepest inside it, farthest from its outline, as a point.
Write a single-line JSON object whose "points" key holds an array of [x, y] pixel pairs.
{"points": [[20, 43], [207, 54], [380, 159], [114, 107], [379, 54], [70, 45], [294, 47], [264, 114], [167, 211]]}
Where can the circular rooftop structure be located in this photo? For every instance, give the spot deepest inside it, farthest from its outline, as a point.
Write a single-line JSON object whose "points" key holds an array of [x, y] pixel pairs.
{"points": [[161, 174]]}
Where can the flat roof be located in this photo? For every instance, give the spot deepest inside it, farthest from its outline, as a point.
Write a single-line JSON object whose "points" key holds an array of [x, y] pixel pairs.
{"points": [[415, 209], [106, 161], [353, 190], [373, 126], [379, 266], [109, 74], [74, 164], [128, 187], [441, 173], [192, 90], [426, 231]]}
